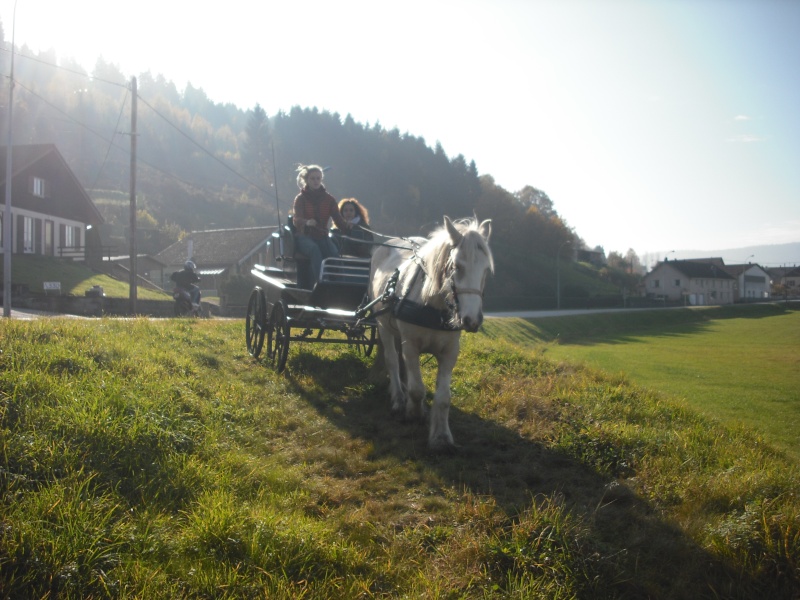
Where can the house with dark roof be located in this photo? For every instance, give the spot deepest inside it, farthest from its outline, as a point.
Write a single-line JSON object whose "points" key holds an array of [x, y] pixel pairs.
{"points": [[691, 282], [789, 278], [752, 282], [217, 253], [51, 213]]}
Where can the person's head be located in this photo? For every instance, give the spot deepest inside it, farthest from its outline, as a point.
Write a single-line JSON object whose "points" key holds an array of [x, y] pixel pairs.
{"points": [[309, 176], [351, 208], [189, 266]]}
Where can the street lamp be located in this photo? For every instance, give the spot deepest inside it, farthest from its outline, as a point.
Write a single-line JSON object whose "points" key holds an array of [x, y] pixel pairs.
{"points": [[744, 279], [558, 274]]}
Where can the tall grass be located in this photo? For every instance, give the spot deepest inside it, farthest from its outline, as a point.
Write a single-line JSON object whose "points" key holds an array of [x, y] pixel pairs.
{"points": [[156, 459]]}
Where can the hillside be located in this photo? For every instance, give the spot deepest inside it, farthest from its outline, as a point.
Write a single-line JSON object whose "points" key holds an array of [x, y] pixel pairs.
{"points": [[156, 459], [201, 165]]}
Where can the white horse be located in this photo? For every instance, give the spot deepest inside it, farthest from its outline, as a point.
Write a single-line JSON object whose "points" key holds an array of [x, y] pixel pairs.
{"points": [[430, 290]]}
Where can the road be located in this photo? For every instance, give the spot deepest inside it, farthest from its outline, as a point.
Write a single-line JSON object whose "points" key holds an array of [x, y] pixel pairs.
{"points": [[538, 314], [29, 314]]}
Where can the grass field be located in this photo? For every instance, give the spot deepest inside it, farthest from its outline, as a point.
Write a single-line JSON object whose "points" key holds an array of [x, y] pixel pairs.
{"points": [[739, 365], [75, 278], [156, 459]]}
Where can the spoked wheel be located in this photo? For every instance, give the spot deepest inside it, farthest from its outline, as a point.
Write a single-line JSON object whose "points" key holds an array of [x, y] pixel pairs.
{"points": [[256, 322], [363, 339], [278, 337]]}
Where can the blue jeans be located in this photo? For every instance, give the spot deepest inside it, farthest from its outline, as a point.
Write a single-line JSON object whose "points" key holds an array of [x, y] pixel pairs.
{"points": [[316, 251]]}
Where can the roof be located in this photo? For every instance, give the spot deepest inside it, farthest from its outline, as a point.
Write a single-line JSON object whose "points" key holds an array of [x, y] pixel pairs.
{"points": [[779, 272], [795, 272], [739, 269], [217, 248], [73, 200], [694, 269]]}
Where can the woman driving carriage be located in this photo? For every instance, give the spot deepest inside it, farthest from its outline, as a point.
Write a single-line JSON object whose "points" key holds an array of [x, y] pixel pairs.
{"points": [[358, 241], [313, 208]]}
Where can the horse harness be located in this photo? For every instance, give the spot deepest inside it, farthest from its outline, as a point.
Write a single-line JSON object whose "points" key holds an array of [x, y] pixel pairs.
{"points": [[417, 313]]}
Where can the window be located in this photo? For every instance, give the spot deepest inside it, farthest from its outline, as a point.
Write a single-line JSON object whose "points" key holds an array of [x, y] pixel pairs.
{"points": [[656, 283], [49, 248], [38, 187], [72, 237], [677, 283], [27, 235]]}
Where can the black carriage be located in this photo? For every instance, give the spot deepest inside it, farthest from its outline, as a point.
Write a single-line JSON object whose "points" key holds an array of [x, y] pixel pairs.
{"points": [[286, 306]]}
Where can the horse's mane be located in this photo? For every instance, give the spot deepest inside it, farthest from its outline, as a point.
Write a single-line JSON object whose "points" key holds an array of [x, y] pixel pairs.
{"points": [[436, 254]]}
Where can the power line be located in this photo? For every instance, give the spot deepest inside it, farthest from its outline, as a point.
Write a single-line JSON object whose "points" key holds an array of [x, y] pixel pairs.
{"points": [[151, 107], [62, 68], [101, 136], [108, 151]]}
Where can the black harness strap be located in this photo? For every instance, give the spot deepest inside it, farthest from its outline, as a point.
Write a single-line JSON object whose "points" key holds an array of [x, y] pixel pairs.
{"points": [[423, 315]]}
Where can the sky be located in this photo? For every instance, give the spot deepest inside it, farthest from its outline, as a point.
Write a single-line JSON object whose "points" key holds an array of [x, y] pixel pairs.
{"points": [[652, 125]]}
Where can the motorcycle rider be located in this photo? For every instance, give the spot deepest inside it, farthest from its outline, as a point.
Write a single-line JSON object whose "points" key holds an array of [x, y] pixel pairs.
{"points": [[186, 280]]}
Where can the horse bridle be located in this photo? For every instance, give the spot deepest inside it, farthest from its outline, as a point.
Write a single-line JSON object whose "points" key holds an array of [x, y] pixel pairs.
{"points": [[389, 295]]}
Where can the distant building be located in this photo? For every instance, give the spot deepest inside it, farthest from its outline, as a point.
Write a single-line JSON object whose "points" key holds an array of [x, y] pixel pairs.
{"points": [[691, 282], [52, 215], [752, 282], [594, 257], [217, 254], [789, 278]]}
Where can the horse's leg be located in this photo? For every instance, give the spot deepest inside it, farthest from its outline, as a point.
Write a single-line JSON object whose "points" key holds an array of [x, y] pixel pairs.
{"points": [[415, 401], [439, 435], [389, 342]]}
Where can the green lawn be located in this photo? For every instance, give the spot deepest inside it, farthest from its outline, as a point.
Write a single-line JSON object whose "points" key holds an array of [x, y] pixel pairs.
{"points": [[742, 370], [75, 278], [154, 458]]}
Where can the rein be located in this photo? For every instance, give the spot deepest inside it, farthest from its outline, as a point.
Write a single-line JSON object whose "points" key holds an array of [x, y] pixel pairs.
{"points": [[414, 312]]}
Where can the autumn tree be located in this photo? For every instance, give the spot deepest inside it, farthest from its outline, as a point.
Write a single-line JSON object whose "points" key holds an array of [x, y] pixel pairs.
{"points": [[530, 197]]}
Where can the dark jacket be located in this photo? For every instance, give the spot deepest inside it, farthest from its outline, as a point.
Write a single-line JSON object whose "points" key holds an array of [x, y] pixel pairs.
{"points": [[185, 278], [352, 247]]}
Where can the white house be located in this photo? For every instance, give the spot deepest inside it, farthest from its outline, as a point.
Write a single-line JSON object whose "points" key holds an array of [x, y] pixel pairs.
{"points": [[752, 282], [691, 282]]}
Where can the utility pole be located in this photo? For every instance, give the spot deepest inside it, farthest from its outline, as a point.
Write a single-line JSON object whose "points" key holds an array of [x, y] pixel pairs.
{"points": [[7, 249], [132, 258], [558, 274]]}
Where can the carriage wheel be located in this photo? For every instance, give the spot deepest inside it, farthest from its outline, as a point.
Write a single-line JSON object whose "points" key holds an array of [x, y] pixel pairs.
{"points": [[372, 335], [256, 322], [278, 337], [364, 341]]}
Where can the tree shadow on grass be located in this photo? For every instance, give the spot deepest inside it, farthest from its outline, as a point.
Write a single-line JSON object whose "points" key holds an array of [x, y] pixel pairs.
{"points": [[644, 555], [626, 327]]}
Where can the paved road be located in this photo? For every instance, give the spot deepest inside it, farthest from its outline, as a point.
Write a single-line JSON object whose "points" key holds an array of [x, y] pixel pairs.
{"points": [[28, 314], [538, 314]]}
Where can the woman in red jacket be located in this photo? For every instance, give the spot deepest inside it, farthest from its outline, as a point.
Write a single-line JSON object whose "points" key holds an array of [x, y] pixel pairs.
{"points": [[313, 208]]}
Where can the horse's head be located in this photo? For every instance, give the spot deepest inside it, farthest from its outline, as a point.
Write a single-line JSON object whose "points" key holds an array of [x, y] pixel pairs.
{"points": [[469, 261]]}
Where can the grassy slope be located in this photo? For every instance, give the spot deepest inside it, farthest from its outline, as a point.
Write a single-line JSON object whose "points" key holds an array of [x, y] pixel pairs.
{"points": [[75, 278], [155, 459], [738, 365]]}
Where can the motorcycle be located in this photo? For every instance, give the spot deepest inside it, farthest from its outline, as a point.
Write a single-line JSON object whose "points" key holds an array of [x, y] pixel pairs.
{"points": [[184, 307]]}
